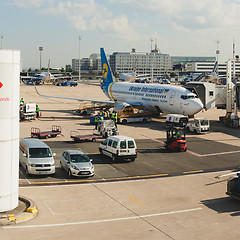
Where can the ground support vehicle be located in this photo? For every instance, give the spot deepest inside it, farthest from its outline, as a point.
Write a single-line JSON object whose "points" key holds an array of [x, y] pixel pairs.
{"points": [[176, 132], [56, 130], [27, 111], [78, 137], [176, 140], [64, 83], [107, 128], [233, 187], [199, 125], [119, 147], [87, 108], [233, 184], [128, 113], [73, 83]]}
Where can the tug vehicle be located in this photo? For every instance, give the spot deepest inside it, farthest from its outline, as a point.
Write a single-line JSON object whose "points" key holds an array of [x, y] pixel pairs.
{"points": [[199, 125]]}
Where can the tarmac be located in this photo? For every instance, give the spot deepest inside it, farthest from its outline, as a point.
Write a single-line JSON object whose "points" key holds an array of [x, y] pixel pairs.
{"points": [[192, 206]]}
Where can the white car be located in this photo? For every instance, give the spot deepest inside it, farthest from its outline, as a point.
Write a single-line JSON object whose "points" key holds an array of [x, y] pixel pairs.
{"points": [[76, 163], [119, 147]]}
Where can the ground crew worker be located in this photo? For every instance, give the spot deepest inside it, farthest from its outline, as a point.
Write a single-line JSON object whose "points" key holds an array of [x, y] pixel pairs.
{"points": [[21, 102], [37, 111], [105, 114], [108, 114], [96, 121], [114, 118], [178, 135]]}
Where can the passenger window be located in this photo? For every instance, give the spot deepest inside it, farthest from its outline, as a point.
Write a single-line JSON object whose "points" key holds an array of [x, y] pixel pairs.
{"points": [[131, 144], [105, 142], [123, 145], [115, 143], [65, 155], [110, 142]]}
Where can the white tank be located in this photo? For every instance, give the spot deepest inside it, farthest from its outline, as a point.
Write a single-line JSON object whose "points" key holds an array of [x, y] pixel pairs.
{"points": [[9, 128]]}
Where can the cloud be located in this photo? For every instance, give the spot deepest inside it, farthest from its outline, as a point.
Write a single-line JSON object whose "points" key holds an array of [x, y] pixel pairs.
{"points": [[29, 3], [84, 15], [185, 15]]}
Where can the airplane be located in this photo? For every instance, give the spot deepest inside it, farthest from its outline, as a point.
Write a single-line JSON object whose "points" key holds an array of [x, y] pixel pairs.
{"points": [[164, 98], [130, 77], [210, 76]]}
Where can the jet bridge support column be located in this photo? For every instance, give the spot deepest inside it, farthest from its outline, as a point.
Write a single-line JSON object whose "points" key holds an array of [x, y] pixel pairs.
{"points": [[231, 100], [9, 128], [229, 89]]}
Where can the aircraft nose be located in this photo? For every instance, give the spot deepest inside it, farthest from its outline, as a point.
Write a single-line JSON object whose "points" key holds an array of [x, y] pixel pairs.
{"points": [[197, 106]]}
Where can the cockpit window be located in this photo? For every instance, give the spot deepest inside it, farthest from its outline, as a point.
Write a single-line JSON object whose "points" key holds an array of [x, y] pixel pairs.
{"points": [[184, 97]]}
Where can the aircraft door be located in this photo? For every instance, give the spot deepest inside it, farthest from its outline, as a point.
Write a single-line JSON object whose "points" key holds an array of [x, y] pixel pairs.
{"points": [[171, 98]]}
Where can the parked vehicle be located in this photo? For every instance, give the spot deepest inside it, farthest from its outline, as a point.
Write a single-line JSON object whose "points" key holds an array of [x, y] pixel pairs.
{"points": [[199, 125], [76, 163], [73, 83], [134, 119], [107, 128], [36, 157], [128, 113], [27, 111], [119, 147]]}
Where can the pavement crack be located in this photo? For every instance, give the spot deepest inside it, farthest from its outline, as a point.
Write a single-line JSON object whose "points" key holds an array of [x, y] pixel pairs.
{"points": [[130, 210]]}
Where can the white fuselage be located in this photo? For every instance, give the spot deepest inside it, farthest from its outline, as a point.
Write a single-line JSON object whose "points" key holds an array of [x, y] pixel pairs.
{"points": [[166, 98], [127, 76]]}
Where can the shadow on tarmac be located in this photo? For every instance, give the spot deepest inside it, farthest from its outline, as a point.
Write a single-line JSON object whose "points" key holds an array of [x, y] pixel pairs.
{"points": [[223, 205]]}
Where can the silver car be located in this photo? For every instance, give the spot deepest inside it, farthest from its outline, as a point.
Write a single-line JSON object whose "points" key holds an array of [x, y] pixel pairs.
{"points": [[76, 163]]}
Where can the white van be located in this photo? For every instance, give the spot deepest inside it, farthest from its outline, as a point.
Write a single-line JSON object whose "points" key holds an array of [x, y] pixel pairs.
{"points": [[119, 147], [36, 157]]}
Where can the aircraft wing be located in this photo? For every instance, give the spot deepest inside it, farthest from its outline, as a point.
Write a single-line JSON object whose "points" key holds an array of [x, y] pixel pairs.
{"points": [[76, 99]]}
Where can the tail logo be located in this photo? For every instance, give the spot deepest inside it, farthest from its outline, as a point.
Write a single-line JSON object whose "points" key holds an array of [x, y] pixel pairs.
{"points": [[105, 70]]}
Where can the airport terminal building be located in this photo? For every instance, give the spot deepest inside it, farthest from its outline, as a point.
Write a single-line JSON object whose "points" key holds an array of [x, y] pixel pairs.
{"points": [[154, 64]]}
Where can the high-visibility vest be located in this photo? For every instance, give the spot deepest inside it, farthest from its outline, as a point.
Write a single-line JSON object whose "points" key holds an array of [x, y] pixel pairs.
{"points": [[96, 118], [116, 117]]}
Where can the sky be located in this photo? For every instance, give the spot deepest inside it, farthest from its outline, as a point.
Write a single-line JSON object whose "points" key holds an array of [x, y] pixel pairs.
{"points": [[179, 27]]}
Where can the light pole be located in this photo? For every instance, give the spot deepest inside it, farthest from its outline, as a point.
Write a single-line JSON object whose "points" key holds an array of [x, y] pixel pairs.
{"points": [[1, 40], [217, 52], [79, 62], [40, 50]]}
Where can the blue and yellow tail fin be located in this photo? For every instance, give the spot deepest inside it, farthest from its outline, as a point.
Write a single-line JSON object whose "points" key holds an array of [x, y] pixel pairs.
{"points": [[107, 75]]}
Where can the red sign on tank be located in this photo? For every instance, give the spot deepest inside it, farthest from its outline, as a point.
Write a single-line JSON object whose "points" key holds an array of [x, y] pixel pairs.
{"points": [[1, 85]]}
